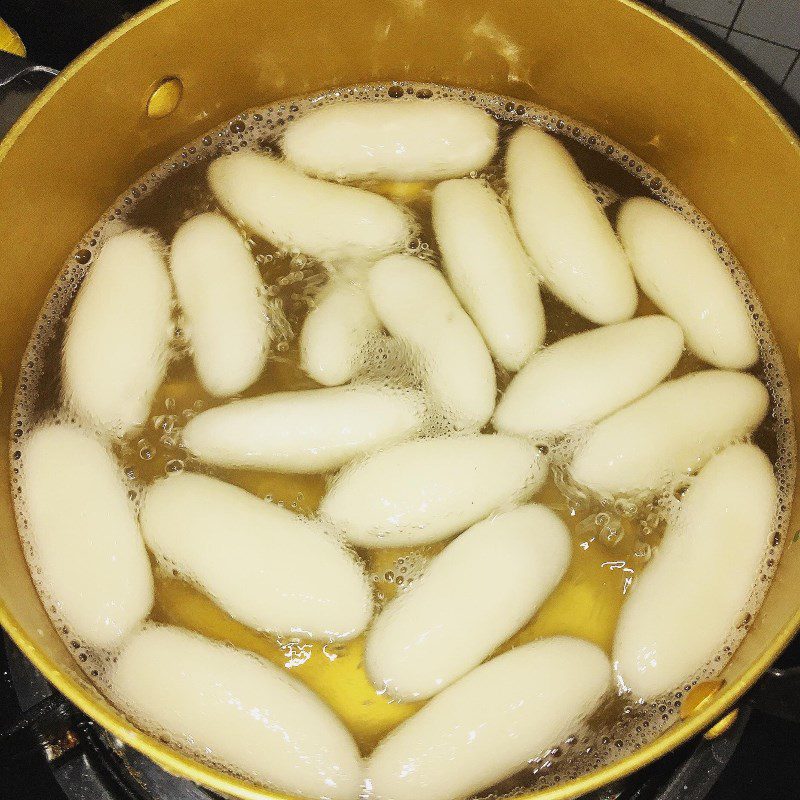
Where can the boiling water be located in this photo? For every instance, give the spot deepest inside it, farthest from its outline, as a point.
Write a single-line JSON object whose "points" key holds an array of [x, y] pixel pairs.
{"points": [[612, 541]]}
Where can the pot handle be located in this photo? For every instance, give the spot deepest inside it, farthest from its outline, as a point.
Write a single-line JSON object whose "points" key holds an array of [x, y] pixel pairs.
{"points": [[13, 67], [13, 64]]}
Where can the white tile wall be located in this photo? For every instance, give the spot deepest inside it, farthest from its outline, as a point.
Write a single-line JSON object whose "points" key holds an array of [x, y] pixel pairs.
{"points": [[776, 20], [720, 31], [775, 59], [765, 32], [720, 11]]}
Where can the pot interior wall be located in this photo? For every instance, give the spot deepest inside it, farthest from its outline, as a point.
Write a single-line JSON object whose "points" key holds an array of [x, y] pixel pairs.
{"points": [[605, 62]]}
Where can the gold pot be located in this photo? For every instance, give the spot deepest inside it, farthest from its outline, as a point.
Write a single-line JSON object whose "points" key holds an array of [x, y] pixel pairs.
{"points": [[610, 63]]}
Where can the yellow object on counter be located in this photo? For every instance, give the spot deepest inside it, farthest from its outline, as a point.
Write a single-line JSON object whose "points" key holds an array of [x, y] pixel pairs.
{"points": [[10, 41]]}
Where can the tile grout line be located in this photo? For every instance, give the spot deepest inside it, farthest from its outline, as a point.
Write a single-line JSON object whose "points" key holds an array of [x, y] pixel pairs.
{"points": [[791, 67], [795, 50], [730, 28], [703, 19], [733, 21], [761, 38]]}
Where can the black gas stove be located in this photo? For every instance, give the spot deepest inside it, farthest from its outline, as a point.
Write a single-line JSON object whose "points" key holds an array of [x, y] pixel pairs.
{"points": [[51, 751]]}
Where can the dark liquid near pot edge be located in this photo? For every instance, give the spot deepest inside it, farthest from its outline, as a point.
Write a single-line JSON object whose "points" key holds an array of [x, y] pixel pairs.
{"points": [[612, 541]]}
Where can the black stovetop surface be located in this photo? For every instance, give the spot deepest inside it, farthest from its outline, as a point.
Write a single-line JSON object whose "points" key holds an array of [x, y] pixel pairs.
{"points": [[759, 758]]}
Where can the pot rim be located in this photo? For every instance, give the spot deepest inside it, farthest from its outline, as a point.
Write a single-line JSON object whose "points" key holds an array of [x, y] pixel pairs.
{"points": [[90, 702]]}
